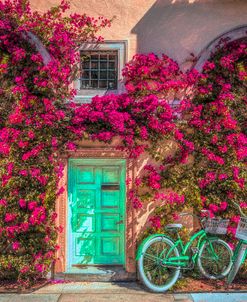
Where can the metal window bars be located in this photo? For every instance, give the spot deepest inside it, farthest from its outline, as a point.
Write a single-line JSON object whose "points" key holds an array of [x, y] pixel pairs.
{"points": [[99, 69]]}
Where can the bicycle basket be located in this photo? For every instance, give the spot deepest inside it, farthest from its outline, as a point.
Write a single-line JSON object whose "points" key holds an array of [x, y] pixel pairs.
{"points": [[216, 226], [241, 232]]}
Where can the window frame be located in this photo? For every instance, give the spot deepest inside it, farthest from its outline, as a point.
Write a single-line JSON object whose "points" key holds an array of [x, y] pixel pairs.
{"points": [[86, 95]]}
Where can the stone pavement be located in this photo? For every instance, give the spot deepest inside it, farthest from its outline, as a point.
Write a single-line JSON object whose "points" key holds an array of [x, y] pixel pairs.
{"points": [[112, 292]]}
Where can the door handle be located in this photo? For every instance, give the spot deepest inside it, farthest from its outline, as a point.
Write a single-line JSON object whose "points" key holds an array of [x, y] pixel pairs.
{"points": [[119, 222]]}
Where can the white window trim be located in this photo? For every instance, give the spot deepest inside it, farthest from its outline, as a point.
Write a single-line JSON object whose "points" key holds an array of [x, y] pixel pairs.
{"points": [[86, 95]]}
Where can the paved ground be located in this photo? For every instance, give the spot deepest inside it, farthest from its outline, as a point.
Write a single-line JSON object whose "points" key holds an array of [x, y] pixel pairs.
{"points": [[220, 297], [113, 292]]}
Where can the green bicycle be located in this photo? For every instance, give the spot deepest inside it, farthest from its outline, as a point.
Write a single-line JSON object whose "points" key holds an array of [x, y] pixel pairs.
{"points": [[240, 252], [160, 258]]}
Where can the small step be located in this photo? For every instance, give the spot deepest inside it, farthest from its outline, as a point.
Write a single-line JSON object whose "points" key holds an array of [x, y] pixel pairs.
{"points": [[96, 274]]}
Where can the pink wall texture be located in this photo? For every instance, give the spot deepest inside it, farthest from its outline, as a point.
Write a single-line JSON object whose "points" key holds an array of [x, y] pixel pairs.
{"points": [[175, 27]]}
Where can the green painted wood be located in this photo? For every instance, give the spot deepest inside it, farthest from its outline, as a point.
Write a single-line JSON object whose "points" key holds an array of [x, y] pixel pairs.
{"points": [[96, 211]]}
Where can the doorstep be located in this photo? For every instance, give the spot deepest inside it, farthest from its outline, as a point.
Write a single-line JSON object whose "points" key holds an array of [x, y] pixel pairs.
{"points": [[96, 274]]}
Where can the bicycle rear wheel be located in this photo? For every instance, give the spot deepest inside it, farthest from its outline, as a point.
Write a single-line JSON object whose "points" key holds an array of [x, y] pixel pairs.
{"points": [[236, 265], [214, 259], [153, 274]]}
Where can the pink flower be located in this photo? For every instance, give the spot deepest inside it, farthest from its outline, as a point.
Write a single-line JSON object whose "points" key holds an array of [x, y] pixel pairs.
{"points": [[155, 222], [208, 66], [53, 216], [35, 172], [3, 202], [214, 208], [47, 239], [32, 205], [235, 171], [9, 217], [223, 149], [39, 267], [60, 191], [138, 181], [31, 134], [38, 216], [22, 203], [230, 194], [231, 230], [235, 218], [24, 269], [22, 144], [71, 146], [222, 176], [24, 226], [243, 205], [54, 142], [214, 139], [223, 205], [23, 172], [178, 135], [144, 133], [175, 216], [16, 245], [4, 148], [10, 167]]}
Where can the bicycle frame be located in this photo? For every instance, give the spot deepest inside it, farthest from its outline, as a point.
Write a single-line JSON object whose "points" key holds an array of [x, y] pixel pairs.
{"points": [[183, 260], [240, 244]]}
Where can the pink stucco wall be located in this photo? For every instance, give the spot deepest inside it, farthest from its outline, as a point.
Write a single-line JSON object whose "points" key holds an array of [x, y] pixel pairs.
{"points": [[176, 27]]}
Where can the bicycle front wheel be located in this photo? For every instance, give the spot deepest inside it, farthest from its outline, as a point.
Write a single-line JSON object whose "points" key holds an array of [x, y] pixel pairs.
{"points": [[214, 258], [153, 274], [236, 265]]}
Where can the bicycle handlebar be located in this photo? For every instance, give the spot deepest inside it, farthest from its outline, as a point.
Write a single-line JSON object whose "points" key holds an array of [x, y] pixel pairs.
{"points": [[240, 210]]}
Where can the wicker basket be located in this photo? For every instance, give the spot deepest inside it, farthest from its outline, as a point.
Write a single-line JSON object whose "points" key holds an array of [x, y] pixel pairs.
{"points": [[216, 226], [241, 232]]}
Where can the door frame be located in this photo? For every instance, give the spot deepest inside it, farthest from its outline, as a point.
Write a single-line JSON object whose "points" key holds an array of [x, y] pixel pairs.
{"points": [[101, 162]]}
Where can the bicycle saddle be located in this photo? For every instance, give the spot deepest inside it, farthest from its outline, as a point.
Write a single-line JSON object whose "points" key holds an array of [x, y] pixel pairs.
{"points": [[173, 226]]}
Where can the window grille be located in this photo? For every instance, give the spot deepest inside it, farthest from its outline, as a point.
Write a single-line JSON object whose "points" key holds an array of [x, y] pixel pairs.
{"points": [[99, 69]]}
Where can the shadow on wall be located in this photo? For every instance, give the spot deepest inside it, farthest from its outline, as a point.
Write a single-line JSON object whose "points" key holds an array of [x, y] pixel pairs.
{"points": [[180, 27]]}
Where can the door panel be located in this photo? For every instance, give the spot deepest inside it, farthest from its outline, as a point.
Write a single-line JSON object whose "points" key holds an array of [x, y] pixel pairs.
{"points": [[110, 199], [96, 211]]}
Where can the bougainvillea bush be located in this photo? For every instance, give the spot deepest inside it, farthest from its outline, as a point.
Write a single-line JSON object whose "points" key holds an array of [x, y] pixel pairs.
{"points": [[38, 122], [211, 173], [34, 128]]}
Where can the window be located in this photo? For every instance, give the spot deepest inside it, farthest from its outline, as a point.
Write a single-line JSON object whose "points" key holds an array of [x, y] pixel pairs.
{"points": [[99, 70]]}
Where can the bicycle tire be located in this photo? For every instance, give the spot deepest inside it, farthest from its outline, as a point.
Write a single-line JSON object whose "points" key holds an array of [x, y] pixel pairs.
{"points": [[145, 278], [206, 271], [236, 266]]}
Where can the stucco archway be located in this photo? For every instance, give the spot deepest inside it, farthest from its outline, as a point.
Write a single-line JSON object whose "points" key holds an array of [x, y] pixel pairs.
{"points": [[35, 41], [229, 36]]}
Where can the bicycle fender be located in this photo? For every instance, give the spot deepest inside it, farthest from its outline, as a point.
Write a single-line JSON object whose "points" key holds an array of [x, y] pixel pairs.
{"points": [[140, 247]]}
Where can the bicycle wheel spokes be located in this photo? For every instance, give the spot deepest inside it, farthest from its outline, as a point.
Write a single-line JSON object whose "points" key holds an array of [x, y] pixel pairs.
{"points": [[215, 259], [152, 263]]}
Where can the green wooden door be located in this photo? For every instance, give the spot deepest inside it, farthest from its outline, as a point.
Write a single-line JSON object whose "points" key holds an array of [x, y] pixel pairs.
{"points": [[96, 211]]}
